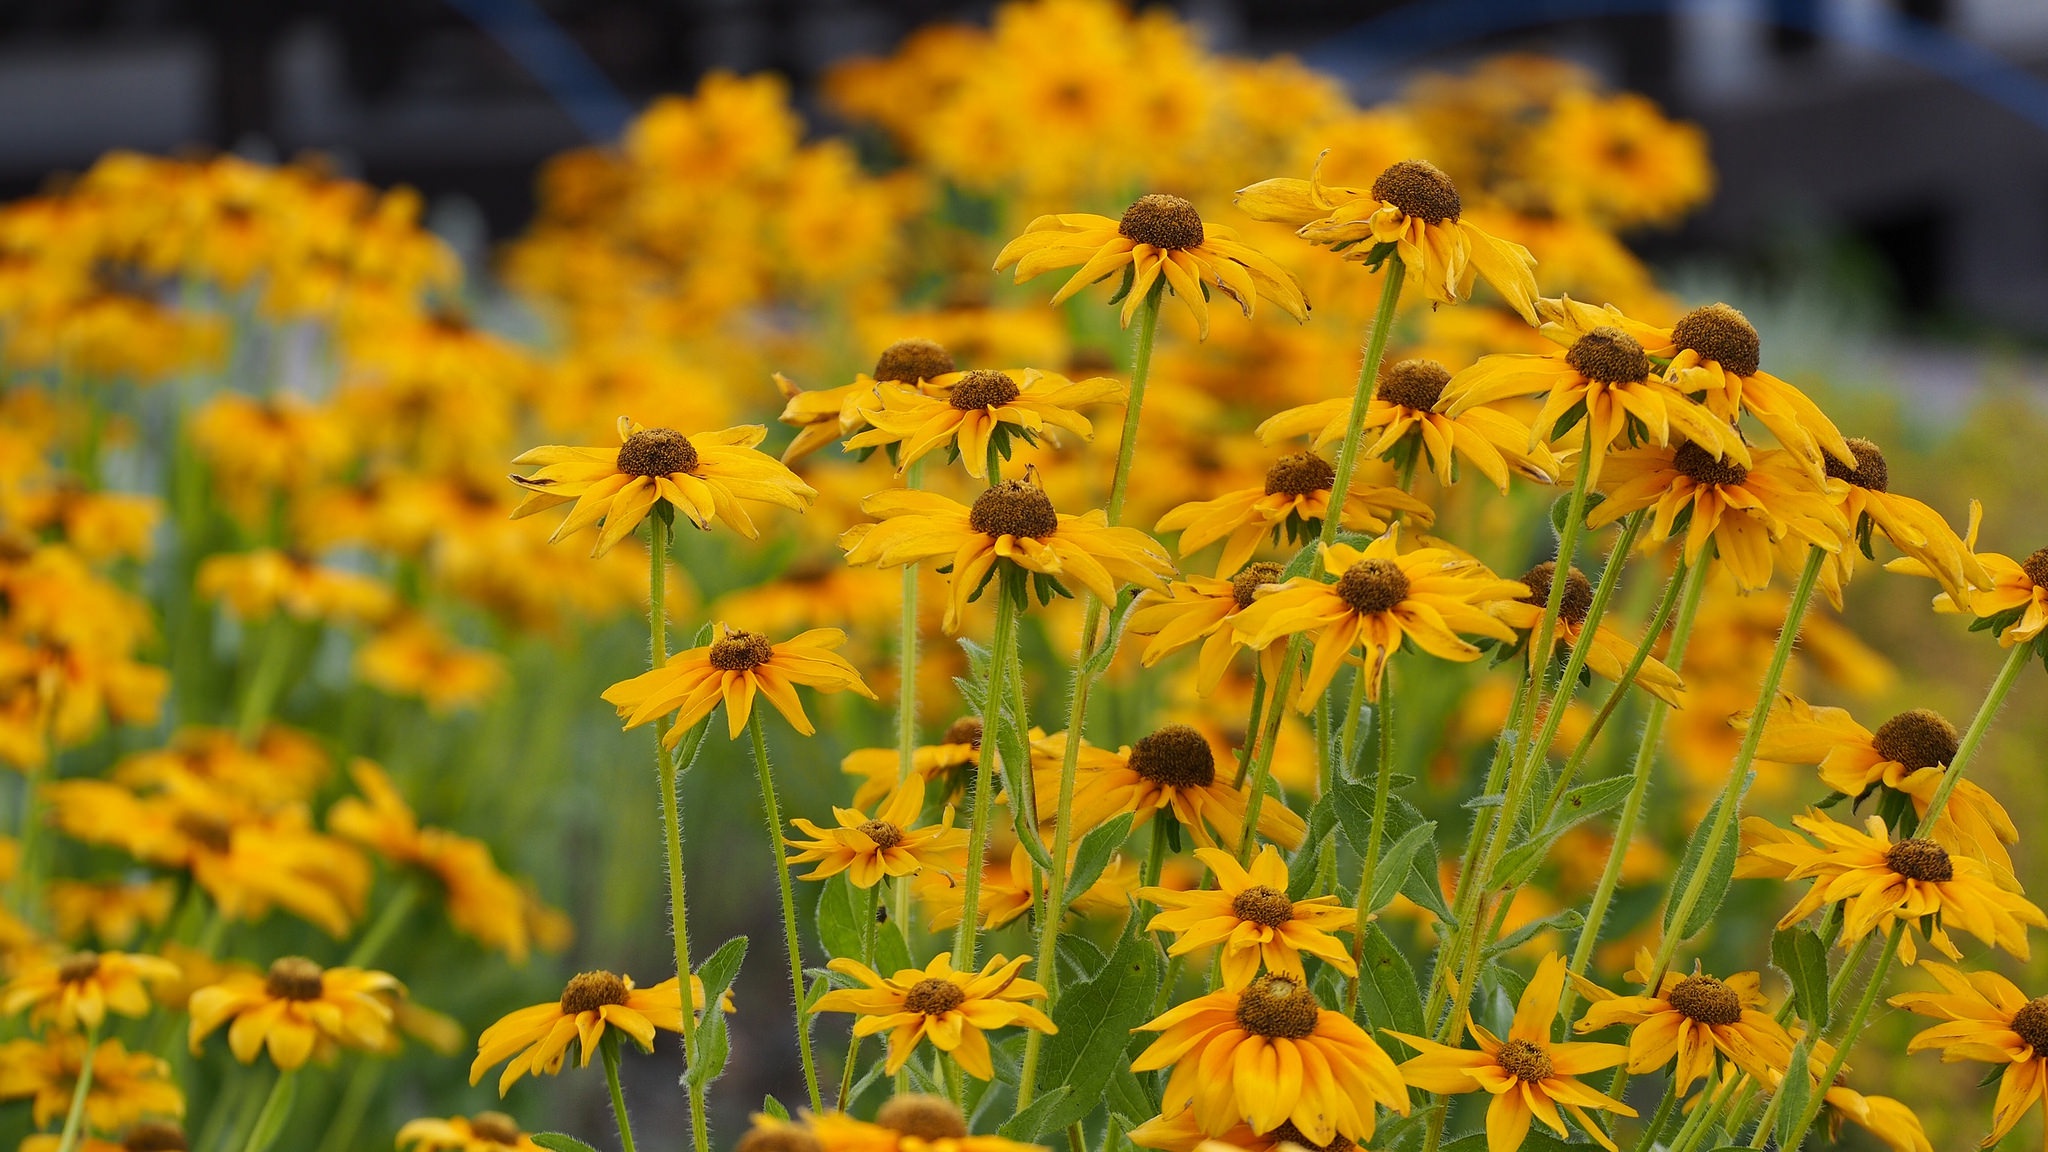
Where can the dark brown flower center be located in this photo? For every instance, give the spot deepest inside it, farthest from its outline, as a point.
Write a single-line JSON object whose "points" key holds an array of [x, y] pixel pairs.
{"points": [[1920, 738], [495, 1127], [1419, 189], [779, 1138], [208, 831], [965, 730], [77, 967], [657, 452], [883, 833], [1175, 756], [1923, 860], [2031, 1022], [1416, 384], [1373, 585], [590, 991], [1014, 508], [1523, 1061], [295, 978], [912, 360], [1609, 356], [928, 1118], [1299, 475], [1870, 471], [1287, 1133], [934, 997], [1278, 1005], [1244, 587], [2036, 568], [1706, 1000], [1163, 221], [1578, 591], [740, 651], [980, 389], [1723, 335], [1262, 905], [154, 1136], [1699, 465]]}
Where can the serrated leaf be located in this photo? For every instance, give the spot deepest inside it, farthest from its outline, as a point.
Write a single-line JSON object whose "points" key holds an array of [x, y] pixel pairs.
{"points": [[1387, 991], [1799, 953], [1095, 1019], [1097, 848], [1579, 805], [560, 1142], [1031, 1122], [1718, 874], [1796, 1090]]}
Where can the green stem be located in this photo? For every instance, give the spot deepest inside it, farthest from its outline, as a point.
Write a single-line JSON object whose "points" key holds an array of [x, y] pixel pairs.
{"points": [[1966, 750], [389, 920], [347, 1120], [789, 935], [1463, 896], [1252, 722], [1361, 397], [1648, 1139], [1353, 709], [867, 957], [609, 1049], [1008, 592], [74, 1119], [1262, 759], [1134, 405], [1575, 663], [1383, 782], [266, 679], [276, 1108], [1818, 1098]]}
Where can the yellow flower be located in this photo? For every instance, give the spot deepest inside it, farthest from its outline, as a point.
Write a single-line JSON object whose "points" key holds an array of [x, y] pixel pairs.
{"points": [[1620, 160], [1528, 1074], [705, 477], [1403, 414], [1250, 916], [1910, 754], [1012, 521], [1689, 1020], [413, 656], [127, 1087], [1891, 1121], [110, 913], [1174, 770], [1180, 1133], [732, 669], [147, 1136], [867, 850], [483, 1132], [537, 1038], [298, 1009], [951, 1009], [2014, 600], [1200, 608], [1607, 654], [1296, 497], [881, 769], [257, 584], [1913, 528], [976, 409], [1161, 239], [1413, 211], [1985, 1017], [1879, 882], [78, 990], [1600, 374], [1268, 1055], [907, 1122], [824, 415], [1381, 597]]}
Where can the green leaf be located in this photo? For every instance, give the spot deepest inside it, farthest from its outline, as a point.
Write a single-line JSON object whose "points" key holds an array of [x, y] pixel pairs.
{"points": [[1796, 1090], [1094, 854], [713, 1044], [1799, 953], [892, 954], [1721, 871], [560, 1142], [1307, 866], [1535, 1141], [1563, 921], [1095, 1019], [714, 1047], [773, 1107], [1028, 1124], [1129, 1095], [1579, 805], [1397, 861], [721, 967], [1386, 988], [841, 909], [1351, 800], [276, 1111], [1112, 636]]}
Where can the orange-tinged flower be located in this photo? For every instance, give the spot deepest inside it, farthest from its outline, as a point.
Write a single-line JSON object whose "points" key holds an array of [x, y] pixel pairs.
{"points": [[951, 1009], [298, 1010], [2015, 598], [483, 1132], [1986, 1017], [1200, 608], [1173, 771], [537, 1039], [1296, 498], [888, 845], [978, 408], [1867, 503], [1250, 917], [77, 990], [881, 769], [824, 415], [1689, 1020], [906, 1122], [127, 1087], [731, 669], [1607, 653]]}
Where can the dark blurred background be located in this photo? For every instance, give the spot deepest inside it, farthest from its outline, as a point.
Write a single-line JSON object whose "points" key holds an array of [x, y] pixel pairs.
{"points": [[1914, 130]]}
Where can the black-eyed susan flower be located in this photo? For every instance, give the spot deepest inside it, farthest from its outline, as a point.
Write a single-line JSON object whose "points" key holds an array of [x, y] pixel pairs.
{"points": [[1012, 884], [1689, 1020], [298, 1010], [536, 1039], [112, 913], [1528, 1074], [1743, 510], [1884, 1117], [1985, 1017], [1879, 881], [1907, 754], [829, 414], [1599, 374], [128, 1088], [2013, 602], [1412, 211], [1295, 499], [1867, 503], [1250, 918], [887, 845], [951, 1009], [1013, 522], [1270, 1054], [141, 1136], [1171, 770], [1402, 419], [906, 1122], [977, 409], [1200, 608], [78, 990], [730, 670], [1607, 653], [256, 585], [880, 769], [483, 1132], [705, 477], [1381, 596], [1161, 238], [1180, 1133]]}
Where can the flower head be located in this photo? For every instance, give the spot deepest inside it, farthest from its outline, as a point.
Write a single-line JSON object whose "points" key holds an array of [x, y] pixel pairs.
{"points": [[951, 1009], [1200, 608], [1172, 770], [1985, 1017], [2012, 602], [78, 989], [1607, 653], [829, 414], [976, 410], [731, 669], [1868, 504], [906, 1122], [1296, 498], [298, 1009], [1691, 1019], [881, 769], [1251, 918], [483, 1132], [537, 1039], [888, 845]]}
